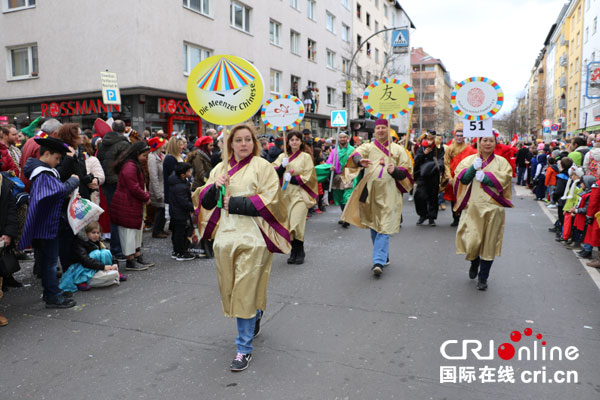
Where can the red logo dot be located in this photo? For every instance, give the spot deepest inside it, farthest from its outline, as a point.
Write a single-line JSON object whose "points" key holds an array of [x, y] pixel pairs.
{"points": [[539, 336], [506, 351], [172, 106], [544, 343], [527, 331], [515, 336]]}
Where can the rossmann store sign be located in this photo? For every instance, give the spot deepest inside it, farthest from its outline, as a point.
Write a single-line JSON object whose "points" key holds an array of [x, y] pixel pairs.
{"points": [[77, 107], [177, 107]]}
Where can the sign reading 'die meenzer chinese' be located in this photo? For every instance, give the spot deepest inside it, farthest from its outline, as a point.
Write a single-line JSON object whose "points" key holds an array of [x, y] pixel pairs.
{"points": [[225, 90], [477, 99], [110, 88]]}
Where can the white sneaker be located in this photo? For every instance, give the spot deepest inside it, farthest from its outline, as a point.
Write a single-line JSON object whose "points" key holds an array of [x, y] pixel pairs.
{"points": [[551, 206], [410, 198]]}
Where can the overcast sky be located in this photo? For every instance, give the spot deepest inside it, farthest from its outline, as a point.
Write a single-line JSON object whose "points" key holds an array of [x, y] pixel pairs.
{"points": [[498, 39]]}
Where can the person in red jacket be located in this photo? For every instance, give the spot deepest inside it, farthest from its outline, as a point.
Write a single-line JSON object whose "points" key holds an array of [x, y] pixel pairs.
{"points": [[550, 180], [592, 229], [127, 207], [32, 149]]}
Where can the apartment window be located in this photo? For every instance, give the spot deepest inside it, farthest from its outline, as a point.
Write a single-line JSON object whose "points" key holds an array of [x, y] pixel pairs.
{"points": [[275, 81], [201, 6], [295, 86], [330, 59], [385, 56], [312, 50], [295, 42], [240, 16], [294, 4], [595, 25], [358, 73], [385, 10], [358, 10], [587, 34], [192, 55], [23, 62], [345, 33], [358, 41], [376, 3], [344, 104], [368, 20], [311, 6], [577, 64], [274, 32], [15, 5], [376, 55], [376, 26], [368, 49], [345, 64], [330, 22], [346, 4], [330, 96], [385, 34], [593, 56]]}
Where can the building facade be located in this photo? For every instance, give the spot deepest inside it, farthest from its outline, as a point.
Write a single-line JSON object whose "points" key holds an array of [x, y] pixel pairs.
{"points": [[589, 117], [433, 87]]}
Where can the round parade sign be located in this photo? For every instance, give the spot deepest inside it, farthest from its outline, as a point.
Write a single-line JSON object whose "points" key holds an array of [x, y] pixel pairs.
{"points": [[282, 112], [388, 98], [477, 98], [225, 90], [555, 127]]}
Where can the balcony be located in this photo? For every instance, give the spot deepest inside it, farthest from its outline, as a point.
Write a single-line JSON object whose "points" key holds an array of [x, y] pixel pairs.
{"points": [[562, 104], [562, 82], [564, 60], [563, 41]]}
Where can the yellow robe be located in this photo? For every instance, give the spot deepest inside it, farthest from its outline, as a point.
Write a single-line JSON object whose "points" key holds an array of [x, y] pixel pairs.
{"points": [[244, 245], [382, 208], [481, 227], [299, 198]]}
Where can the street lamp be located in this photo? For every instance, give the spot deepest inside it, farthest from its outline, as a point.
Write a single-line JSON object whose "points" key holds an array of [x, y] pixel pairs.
{"points": [[421, 92]]}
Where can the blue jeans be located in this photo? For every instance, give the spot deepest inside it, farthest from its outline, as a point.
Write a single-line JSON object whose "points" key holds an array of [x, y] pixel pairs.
{"points": [[381, 247], [243, 341], [115, 243], [46, 257], [521, 175]]}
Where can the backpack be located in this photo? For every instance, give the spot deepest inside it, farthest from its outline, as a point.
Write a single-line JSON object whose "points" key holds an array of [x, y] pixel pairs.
{"points": [[593, 167]]}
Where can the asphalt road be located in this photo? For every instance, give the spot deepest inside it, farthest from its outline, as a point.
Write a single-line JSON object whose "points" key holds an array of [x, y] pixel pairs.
{"points": [[331, 330]]}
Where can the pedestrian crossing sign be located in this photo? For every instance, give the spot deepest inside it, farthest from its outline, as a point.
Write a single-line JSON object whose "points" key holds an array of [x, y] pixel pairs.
{"points": [[400, 38], [339, 118]]}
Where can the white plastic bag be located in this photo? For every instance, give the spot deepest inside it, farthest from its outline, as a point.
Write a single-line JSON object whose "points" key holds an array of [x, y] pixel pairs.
{"points": [[81, 212]]}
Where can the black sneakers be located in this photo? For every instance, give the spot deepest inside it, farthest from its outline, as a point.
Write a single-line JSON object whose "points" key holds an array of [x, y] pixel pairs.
{"points": [[240, 362], [60, 302], [474, 268], [481, 285], [140, 260], [377, 269], [421, 220], [185, 257], [134, 265]]}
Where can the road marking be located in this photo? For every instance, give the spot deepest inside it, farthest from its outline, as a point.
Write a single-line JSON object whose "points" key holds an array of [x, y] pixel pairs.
{"points": [[593, 272]]}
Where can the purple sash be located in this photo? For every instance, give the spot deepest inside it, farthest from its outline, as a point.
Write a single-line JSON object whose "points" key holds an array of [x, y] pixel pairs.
{"points": [[272, 221]]}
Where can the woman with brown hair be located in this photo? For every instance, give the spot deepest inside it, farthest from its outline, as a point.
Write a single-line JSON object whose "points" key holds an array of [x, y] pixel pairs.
{"points": [[300, 190], [242, 210]]}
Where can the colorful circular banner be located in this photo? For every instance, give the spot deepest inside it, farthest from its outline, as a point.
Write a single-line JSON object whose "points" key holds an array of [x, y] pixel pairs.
{"points": [[477, 98], [225, 90], [282, 112], [388, 98]]}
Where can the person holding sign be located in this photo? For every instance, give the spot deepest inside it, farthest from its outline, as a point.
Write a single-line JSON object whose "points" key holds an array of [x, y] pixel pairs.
{"points": [[483, 188], [338, 158], [376, 202], [300, 192], [242, 209]]}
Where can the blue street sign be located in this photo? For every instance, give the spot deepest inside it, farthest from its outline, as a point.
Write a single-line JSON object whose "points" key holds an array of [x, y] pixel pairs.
{"points": [[546, 129], [339, 118], [111, 95], [400, 38]]}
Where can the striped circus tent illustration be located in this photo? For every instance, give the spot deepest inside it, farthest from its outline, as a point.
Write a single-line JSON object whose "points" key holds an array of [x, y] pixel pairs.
{"points": [[225, 75]]}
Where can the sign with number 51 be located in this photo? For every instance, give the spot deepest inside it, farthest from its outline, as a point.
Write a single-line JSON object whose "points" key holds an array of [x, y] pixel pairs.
{"points": [[477, 128]]}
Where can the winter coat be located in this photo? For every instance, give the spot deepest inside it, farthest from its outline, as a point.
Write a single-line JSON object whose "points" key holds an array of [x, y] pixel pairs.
{"points": [[6, 161], [156, 184], [75, 165], [94, 167], [180, 198], [9, 224], [112, 145], [551, 172], [523, 155], [169, 164], [426, 168], [80, 252], [127, 207], [592, 236], [273, 153], [30, 149], [593, 153], [201, 165]]}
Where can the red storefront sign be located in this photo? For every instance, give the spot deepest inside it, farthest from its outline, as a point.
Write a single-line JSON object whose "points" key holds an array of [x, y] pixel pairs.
{"points": [[172, 106], [77, 107]]}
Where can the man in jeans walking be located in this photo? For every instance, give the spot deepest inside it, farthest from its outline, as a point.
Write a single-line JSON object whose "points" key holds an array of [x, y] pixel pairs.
{"points": [[112, 146]]}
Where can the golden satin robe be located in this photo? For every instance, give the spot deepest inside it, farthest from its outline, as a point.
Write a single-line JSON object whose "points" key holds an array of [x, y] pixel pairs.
{"points": [[244, 245], [481, 227], [299, 198], [382, 208]]}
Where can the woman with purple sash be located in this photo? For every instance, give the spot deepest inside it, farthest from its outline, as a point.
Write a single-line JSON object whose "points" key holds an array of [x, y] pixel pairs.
{"points": [[483, 189], [240, 208], [300, 190]]}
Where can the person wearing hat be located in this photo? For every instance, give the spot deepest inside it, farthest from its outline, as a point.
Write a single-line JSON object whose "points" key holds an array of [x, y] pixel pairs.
{"points": [[200, 160], [341, 187], [376, 202], [429, 167], [482, 188], [32, 149], [41, 226], [127, 207], [156, 157]]}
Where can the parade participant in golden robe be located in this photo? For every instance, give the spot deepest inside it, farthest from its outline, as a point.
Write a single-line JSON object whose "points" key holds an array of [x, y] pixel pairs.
{"points": [[482, 189], [300, 190], [376, 202], [242, 210]]}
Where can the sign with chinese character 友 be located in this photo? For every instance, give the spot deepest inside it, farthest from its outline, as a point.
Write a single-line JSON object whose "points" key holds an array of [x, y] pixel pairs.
{"points": [[110, 88], [388, 98]]}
